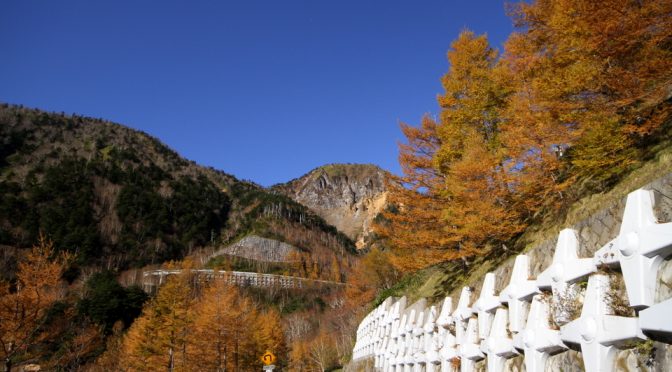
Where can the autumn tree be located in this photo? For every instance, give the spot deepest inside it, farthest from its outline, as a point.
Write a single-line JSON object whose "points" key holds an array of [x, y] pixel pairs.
{"points": [[269, 333], [591, 81], [299, 356], [223, 336], [372, 273], [158, 338], [25, 303], [412, 221], [455, 194], [471, 156], [322, 351], [581, 91], [111, 359]]}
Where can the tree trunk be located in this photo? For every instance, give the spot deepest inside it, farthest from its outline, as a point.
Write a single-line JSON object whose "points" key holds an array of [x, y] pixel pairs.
{"points": [[171, 362]]}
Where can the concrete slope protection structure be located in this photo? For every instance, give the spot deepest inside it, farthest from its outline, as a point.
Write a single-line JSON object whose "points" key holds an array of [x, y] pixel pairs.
{"points": [[569, 305]]}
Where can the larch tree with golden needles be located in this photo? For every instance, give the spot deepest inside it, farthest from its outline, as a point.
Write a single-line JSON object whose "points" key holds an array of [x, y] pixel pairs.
{"points": [[372, 274], [471, 156], [455, 193], [224, 326], [591, 80], [23, 306], [158, 338], [413, 222], [269, 333]]}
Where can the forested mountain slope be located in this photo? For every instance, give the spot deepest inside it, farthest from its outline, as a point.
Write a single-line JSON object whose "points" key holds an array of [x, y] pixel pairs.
{"points": [[119, 198]]}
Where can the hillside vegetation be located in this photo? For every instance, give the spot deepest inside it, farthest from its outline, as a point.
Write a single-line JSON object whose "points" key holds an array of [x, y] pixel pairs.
{"points": [[93, 198], [575, 111], [119, 198], [579, 98]]}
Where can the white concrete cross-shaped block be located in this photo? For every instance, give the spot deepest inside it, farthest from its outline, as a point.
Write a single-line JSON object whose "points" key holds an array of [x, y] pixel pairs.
{"points": [[445, 323], [394, 319], [382, 312], [640, 247], [379, 359], [462, 314], [469, 350], [432, 342], [567, 267], [596, 331], [383, 331], [486, 305], [445, 318], [565, 270], [655, 320], [365, 337], [391, 350], [519, 293], [407, 356], [498, 345], [395, 312], [538, 340], [382, 343], [418, 349], [398, 356], [463, 310]]}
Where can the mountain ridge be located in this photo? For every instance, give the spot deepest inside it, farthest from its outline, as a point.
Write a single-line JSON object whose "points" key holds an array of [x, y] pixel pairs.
{"points": [[120, 198], [348, 196]]}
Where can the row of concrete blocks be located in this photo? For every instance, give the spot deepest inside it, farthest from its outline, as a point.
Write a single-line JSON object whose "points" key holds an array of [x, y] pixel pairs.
{"points": [[239, 278], [533, 316]]}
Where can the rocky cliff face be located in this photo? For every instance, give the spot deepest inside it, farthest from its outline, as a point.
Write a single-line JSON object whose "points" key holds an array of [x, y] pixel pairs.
{"points": [[259, 249], [348, 196]]}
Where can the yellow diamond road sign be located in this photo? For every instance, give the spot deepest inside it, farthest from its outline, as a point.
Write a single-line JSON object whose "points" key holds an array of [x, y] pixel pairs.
{"points": [[268, 358]]}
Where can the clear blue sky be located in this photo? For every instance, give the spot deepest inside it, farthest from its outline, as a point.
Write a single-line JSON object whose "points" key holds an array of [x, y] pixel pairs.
{"points": [[264, 90]]}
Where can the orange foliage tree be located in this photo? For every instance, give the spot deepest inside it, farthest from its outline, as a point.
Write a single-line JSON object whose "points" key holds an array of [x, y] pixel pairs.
{"points": [[214, 329], [412, 222], [230, 333], [372, 274], [581, 91], [471, 156], [589, 79], [455, 194], [24, 305], [158, 338]]}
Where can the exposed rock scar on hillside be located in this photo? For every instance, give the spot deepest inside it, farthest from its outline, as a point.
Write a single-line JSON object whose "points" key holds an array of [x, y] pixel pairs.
{"points": [[347, 196]]}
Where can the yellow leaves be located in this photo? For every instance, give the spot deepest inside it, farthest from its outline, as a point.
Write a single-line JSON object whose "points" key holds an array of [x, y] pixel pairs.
{"points": [[577, 68], [603, 151], [23, 309], [270, 332], [458, 179], [372, 273], [520, 134], [220, 329], [159, 336]]}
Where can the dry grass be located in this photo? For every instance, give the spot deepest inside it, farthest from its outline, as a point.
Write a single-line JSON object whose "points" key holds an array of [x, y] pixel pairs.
{"points": [[660, 165]]}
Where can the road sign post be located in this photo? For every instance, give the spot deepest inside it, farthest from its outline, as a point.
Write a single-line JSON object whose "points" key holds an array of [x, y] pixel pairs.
{"points": [[268, 358]]}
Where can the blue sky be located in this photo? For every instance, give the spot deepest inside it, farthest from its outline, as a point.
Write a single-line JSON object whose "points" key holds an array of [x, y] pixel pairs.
{"points": [[264, 90]]}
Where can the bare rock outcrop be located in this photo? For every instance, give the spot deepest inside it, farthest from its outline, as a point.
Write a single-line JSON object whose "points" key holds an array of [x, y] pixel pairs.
{"points": [[260, 249], [347, 196]]}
